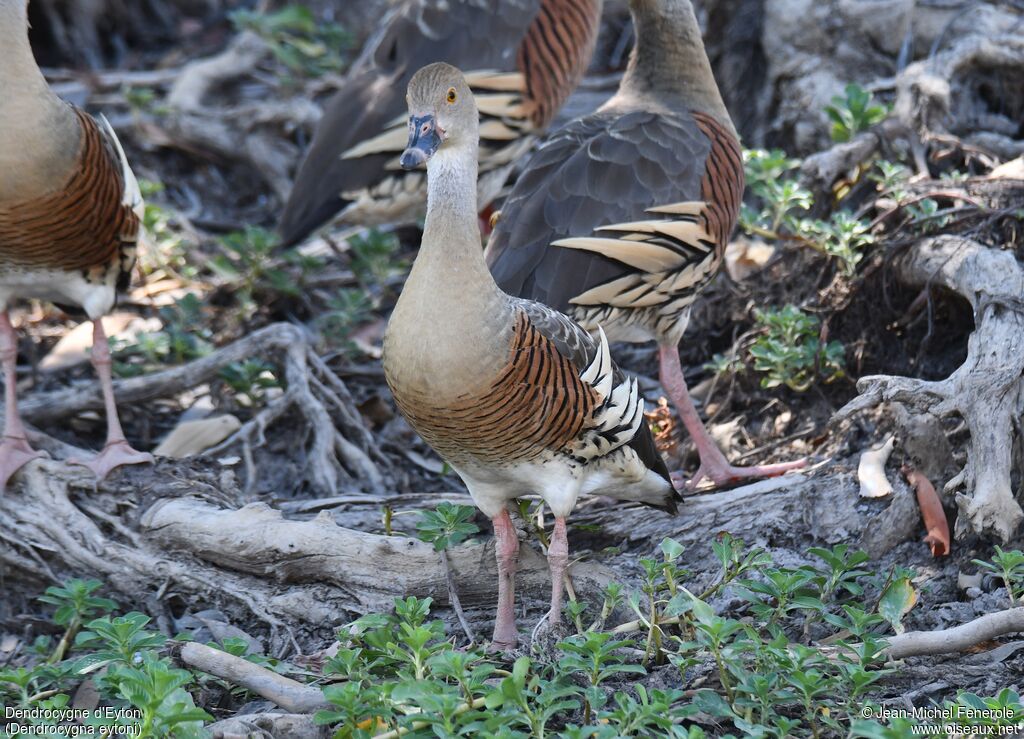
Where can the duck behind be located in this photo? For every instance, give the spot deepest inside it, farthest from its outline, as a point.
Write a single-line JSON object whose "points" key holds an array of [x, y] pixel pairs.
{"points": [[622, 217], [526, 57]]}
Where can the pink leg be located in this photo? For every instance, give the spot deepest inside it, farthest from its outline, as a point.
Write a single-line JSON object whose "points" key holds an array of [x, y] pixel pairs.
{"points": [[558, 560], [713, 464], [15, 450], [116, 451], [507, 553]]}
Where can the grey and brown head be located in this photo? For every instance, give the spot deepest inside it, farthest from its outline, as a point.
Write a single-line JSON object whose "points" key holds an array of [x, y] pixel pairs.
{"points": [[442, 113]]}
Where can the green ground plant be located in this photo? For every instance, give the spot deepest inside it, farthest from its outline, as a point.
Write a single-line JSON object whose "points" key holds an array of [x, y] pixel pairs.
{"points": [[250, 264], [122, 658], [399, 674], [181, 339], [375, 263], [781, 208], [1009, 565], [789, 351], [250, 380], [304, 44], [166, 251], [802, 655], [853, 112]]}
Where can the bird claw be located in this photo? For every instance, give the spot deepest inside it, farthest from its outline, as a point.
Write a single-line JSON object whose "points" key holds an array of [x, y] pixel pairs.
{"points": [[723, 474], [113, 455], [15, 453]]}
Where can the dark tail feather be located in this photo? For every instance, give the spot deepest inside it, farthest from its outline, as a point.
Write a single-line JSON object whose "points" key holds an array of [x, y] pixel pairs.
{"points": [[303, 215]]}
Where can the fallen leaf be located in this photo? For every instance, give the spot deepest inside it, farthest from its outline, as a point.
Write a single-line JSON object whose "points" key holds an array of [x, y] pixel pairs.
{"points": [[896, 601], [193, 437], [744, 257], [1011, 170], [74, 347], [934, 516]]}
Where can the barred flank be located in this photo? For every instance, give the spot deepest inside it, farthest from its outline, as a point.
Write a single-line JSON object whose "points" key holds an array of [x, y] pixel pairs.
{"points": [[82, 225], [555, 52], [537, 403], [722, 185]]}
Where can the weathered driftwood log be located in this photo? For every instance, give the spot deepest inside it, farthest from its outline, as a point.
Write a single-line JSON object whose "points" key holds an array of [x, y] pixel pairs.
{"points": [[341, 447], [987, 390], [367, 571], [956, 638], [177, 529], [794, 511], [290, 695]]}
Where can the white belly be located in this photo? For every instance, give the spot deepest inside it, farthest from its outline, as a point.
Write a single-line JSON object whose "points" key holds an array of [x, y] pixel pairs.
{"points": [[58, 286], [620, 475]]}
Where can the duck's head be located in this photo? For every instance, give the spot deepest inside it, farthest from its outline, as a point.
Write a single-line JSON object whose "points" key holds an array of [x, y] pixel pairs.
{"points": [[442, 113]]}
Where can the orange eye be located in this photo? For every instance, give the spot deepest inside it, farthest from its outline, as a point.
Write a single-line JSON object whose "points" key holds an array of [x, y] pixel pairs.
{"points": [[451, 97]]}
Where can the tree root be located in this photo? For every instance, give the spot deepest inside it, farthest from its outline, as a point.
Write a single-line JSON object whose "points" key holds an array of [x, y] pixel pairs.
{"points": [[370, 570], [987, 390], [925, 99], [291, 695], [341, 449], [956, 638], [244, 132], [181, 532]]}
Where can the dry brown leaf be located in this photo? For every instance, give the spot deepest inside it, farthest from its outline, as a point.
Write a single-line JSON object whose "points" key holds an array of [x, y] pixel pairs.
{"points": [[1011, 170], [73, 348], [745, 257], [194, 437], [931, 511]]}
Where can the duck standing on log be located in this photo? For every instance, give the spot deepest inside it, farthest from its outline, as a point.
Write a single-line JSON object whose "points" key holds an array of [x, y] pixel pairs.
{"points": [[515, 396], [526, 57], [70, 220], [623, 216]]}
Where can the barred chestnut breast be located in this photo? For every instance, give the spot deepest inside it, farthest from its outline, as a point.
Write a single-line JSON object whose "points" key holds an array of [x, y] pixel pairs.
{"points": [[536, 404], [83, 224]]}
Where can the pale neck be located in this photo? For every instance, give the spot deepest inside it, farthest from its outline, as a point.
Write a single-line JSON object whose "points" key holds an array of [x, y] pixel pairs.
{"points": [[449, 326], [19, 73], [451, 252], [669, 60], [41, 134]]}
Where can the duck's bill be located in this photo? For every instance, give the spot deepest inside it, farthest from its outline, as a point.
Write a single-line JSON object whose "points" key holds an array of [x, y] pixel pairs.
{"points": [[423, 141]]}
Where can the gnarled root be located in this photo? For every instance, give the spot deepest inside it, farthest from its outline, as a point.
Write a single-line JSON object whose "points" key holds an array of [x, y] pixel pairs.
{"points": [[341, 448], [180, 528], [987, 390]]}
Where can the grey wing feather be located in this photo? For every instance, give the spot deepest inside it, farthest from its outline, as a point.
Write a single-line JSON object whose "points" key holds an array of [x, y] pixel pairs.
{"points": [[608, 167], [572, 340], [470, 34]]}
